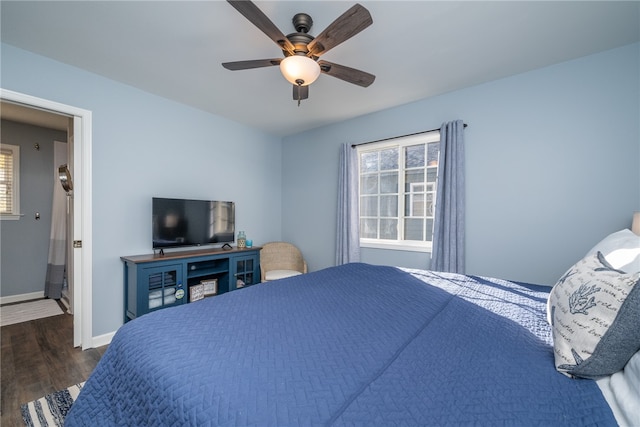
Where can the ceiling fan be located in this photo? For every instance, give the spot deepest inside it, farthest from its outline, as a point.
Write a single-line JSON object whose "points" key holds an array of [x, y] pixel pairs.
{"points": [[300, 65]]}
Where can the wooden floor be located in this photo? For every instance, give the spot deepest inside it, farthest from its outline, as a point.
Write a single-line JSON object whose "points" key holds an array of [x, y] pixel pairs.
{"points": [[38, 358]]}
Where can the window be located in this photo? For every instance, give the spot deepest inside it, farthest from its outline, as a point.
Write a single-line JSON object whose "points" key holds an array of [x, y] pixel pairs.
{"points": [[9, 181], [397, 192]]}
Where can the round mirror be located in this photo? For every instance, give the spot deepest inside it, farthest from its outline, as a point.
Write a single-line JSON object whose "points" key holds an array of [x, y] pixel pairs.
{"points": [[65, 178]]}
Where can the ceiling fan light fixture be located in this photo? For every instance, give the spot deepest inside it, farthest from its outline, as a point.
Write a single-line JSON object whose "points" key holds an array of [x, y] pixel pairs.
{"points": [[298, 68]]}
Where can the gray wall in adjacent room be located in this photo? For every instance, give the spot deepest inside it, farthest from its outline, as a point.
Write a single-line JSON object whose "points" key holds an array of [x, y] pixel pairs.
{"points": [[25, 242]]}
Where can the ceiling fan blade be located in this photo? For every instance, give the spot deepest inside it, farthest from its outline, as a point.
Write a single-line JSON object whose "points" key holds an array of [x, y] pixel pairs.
{"points": [[347, 74], [264, 24], [346, 26], [300, 92], [256, 63]]}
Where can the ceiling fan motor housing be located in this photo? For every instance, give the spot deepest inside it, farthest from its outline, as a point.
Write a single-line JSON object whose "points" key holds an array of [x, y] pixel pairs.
{"points": [[300, 42], [302, 22], [300, 39]]}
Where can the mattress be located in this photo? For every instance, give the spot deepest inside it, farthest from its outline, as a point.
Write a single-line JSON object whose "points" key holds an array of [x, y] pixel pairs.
{"points": [[350, 345]]}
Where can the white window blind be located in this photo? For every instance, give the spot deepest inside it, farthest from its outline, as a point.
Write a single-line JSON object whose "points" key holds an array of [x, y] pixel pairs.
{"points": [[9, 181]]}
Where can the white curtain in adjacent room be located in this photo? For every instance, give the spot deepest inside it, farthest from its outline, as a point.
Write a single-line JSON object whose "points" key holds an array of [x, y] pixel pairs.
{"points": [[57, 244]]}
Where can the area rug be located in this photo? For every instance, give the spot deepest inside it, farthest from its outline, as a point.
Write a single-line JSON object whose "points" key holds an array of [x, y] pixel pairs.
{"points": [[52, 409], [23, 312]]}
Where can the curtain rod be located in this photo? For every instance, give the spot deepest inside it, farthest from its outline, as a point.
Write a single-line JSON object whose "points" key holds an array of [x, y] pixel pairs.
{"points": [[396, 137]]}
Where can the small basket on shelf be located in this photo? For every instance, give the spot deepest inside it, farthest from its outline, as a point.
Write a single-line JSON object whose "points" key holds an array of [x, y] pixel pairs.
{"points": [[210, 287], [196, 292]]}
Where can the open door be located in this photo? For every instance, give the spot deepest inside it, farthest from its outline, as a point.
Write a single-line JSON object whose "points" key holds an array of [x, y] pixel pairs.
{"points": [[74, 235], [79, 162]]}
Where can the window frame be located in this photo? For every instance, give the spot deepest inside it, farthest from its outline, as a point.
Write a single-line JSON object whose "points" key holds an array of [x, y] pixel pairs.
{"points": [[15, 183], [401, 143]]}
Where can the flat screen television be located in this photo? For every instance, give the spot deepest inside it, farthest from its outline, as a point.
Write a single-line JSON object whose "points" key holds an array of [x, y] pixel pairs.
{"points": [[179, 222]]}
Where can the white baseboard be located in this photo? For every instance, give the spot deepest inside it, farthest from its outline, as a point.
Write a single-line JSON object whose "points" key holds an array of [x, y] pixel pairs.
{"points": [[22, 297], [101, 340]]}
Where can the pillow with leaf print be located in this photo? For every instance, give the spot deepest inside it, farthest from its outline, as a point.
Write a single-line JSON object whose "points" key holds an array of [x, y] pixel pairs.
{"points": [[595, 318]]}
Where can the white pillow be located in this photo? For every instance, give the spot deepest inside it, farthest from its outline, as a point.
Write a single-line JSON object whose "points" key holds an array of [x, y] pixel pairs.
{"points": [[621, 250], [622, 391]]}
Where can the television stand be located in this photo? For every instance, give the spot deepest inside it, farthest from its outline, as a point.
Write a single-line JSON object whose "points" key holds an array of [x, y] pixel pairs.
{"points": [[156, 281], [226, 247]]}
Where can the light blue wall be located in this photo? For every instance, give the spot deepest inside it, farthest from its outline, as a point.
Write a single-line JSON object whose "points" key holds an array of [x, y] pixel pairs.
{"points": [[25, 242], [553, 165], [145, 146]]}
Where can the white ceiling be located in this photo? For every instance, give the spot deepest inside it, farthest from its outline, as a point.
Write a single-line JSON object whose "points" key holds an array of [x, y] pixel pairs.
{"points": [[417, 49]]}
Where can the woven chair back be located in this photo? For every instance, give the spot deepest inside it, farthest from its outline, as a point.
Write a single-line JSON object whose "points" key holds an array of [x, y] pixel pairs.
{"points": [[281, 256]]}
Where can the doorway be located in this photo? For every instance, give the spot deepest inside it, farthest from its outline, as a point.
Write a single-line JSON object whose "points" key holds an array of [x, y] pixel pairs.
{"points": [[80, 227]]}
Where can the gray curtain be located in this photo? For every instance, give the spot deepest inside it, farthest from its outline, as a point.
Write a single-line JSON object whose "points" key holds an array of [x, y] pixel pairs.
{"points": [[448, 233], [348, 228], [58, 239]]}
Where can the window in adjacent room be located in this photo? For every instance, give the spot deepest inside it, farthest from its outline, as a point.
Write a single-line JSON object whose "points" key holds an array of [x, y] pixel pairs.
{"points": [[397, 192], [9, 181]]}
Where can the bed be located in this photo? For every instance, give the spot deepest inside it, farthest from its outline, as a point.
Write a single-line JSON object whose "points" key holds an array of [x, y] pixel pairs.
{"points": [[355, 344]]}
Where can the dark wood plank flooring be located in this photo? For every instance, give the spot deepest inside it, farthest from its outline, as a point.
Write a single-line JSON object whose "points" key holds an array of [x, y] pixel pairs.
{"points": [[38, 358]]}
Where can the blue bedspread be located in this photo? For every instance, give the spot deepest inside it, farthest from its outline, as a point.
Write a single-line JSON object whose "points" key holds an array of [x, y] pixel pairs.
{"points": [[349, 345]]}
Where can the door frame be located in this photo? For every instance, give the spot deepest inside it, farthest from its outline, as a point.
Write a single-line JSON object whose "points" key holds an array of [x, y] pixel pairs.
{"points": [[82, 214]]}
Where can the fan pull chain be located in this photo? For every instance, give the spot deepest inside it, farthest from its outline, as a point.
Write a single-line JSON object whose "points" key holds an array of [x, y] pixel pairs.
{"points": [[299, 82]]}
